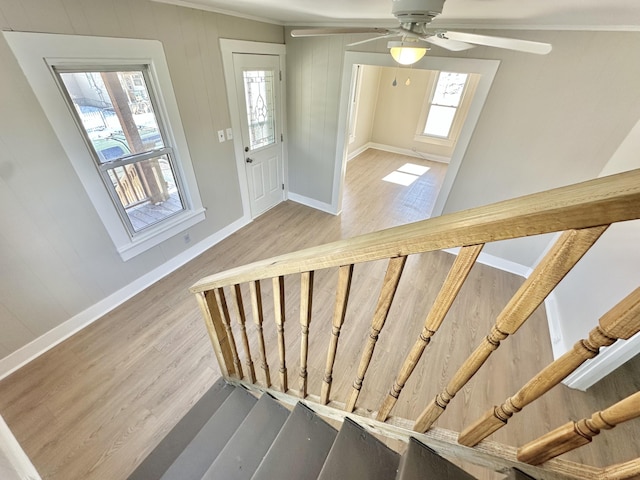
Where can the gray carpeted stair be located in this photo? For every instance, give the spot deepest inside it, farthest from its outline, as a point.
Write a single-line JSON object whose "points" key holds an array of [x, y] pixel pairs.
{"points": [[305, 441], [420, 462], [231, 435]]}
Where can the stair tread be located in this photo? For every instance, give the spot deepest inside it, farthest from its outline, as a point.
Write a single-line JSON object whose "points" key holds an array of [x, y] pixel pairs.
{"points": [[516, 474], [357, 455], [168, 450], [419, 462], [196, 458], [304, 440], [249, 444]]}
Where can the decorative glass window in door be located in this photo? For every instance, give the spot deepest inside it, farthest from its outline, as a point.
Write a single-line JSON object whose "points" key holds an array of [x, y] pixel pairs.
{"points": [[258, 90]]}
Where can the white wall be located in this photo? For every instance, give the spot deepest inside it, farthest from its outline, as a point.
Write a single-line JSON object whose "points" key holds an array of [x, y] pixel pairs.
{"points": [[606, 274], [56, 259], [548, 121]]}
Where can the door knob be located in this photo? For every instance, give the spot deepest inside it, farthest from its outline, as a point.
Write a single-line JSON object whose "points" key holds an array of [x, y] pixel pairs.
{"points": [[249, 160]]}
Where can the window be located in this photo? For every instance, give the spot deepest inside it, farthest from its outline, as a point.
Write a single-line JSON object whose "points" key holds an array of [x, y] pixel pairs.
{"points": [[444, 104], [114, 110], [110, 101]]}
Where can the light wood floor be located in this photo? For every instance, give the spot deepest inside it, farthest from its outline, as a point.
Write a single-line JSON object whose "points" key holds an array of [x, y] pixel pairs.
{"points": [[93, 407]]}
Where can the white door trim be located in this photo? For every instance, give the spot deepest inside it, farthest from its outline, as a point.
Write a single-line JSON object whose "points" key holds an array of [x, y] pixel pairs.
{"points": [[487, 69], [228, 48]]}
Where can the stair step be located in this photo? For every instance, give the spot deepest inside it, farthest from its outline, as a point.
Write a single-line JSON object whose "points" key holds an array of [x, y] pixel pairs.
{"points": [[304, 441], [247, 447], [516, 474], [357, 455], [194, 461], [168, 450], [420, 462]]}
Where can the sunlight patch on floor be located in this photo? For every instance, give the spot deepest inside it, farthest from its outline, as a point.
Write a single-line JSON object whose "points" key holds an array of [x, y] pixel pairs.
{"points": [[406, 174]]}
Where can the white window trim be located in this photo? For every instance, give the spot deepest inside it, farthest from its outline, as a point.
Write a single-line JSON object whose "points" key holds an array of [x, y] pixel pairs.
{"points": [[355, 101], [458, 119], [37, 52]]}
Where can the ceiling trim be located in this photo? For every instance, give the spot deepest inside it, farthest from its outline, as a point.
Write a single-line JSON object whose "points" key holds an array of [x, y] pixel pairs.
{"points": [[449, 24], [473, 26], [207, 8]]}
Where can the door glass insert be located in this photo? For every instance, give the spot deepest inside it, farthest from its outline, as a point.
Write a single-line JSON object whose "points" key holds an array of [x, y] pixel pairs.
{"points": [[258, 90]]}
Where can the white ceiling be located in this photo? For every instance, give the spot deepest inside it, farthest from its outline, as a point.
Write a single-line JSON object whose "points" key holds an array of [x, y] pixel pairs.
{"points": [[535, 14]]}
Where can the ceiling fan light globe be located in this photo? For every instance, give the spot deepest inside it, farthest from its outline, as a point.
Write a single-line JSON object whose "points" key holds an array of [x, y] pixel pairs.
{"points": [[407, 55]]}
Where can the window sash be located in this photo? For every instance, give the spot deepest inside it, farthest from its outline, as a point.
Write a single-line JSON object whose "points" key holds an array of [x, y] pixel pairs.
{"points": [[132, 158]]}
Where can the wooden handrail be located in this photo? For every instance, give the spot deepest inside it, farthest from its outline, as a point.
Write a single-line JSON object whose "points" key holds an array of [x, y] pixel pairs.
{"points": [[582, 212], [597, 202]]}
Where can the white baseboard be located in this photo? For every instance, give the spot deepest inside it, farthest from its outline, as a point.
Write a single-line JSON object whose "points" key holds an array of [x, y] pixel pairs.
{"points": [[606, 362], [409, 152], [53, 337], [497, 262], [358, 151], [313, 203]]}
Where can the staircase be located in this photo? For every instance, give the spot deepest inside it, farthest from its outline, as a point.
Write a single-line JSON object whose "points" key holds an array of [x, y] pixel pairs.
{"points": [[231, 434], [249, 441]]}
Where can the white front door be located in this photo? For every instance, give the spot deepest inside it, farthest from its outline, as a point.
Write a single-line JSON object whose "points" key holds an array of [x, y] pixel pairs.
{"points": [[257, 79]]}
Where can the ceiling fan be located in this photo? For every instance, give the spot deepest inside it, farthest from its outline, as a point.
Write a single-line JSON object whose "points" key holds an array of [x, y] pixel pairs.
{"points": [[415, 17]]}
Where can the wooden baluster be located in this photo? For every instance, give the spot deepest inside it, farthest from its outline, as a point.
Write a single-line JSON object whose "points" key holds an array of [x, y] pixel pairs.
{"points": [[236, 293], [576, 434], [278, 311], [388, 291], [217, 334], [226, 318], [258, 317], [452, 284], [342, 297], [622, 321], [566, 252], [306, 294], [630, 469]]}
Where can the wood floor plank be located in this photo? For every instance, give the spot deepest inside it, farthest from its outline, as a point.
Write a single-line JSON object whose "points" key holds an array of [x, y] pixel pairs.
{"points": [[95, 405]]}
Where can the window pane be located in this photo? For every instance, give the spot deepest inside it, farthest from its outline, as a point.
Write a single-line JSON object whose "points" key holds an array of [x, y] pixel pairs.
{"points": [[147, 191], [258, 90], [449, 89], [116, 112], [439, 121]]}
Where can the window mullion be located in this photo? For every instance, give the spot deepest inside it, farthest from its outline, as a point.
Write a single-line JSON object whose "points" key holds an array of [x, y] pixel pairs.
{"points": [[135, 158]]}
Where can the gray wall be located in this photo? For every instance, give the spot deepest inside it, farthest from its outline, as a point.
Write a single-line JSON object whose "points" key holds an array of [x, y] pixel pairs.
{"points": [[548, 121], [56, 258]]}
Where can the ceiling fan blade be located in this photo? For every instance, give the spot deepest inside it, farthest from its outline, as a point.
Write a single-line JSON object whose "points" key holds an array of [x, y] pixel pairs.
{"points": [[501, 42], [320, 32], [453, 45], [373, 39]]}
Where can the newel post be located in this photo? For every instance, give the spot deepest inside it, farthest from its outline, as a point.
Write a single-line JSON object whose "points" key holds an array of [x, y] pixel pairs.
{"points": [[217, 332]]}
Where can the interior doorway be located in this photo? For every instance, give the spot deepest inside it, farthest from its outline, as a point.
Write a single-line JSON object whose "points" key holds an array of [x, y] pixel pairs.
{"points": [[410, 116], [482, 73]]}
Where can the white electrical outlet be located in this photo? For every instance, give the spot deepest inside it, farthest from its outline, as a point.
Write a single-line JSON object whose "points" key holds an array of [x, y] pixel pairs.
{"points": [[229, 134], [221, 136]]}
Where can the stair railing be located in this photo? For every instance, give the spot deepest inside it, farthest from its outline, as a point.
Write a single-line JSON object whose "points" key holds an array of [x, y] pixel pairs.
{"points": [[582, 212]]}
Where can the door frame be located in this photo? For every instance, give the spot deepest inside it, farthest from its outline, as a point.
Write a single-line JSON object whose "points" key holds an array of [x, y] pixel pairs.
{"points": [[228, 47], [486, 68]]}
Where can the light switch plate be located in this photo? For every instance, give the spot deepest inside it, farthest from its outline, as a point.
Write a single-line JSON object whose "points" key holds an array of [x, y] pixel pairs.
{"points": [[229, 134], [221, 136]]}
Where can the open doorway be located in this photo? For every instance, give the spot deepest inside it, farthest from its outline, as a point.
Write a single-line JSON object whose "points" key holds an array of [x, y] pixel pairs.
{"points": [[403, 128], [387, 118]]}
